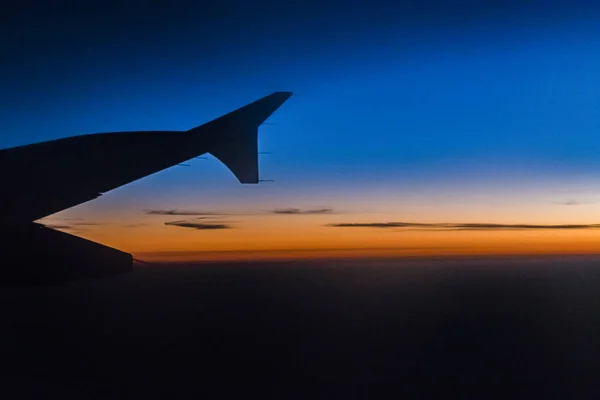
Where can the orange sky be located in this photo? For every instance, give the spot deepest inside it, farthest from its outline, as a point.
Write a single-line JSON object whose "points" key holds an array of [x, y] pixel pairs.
{"points": [[290, 236], [119, 219]]}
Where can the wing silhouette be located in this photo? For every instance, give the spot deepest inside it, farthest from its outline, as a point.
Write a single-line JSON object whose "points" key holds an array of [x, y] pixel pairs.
{"points": [[44, 178]]}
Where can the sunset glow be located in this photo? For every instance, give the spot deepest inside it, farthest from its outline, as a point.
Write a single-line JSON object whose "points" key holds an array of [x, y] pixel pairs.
{"points": [[472, 120]]}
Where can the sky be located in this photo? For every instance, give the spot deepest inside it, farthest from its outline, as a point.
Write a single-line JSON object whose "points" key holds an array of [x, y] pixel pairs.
{"points": [[426, 112]]}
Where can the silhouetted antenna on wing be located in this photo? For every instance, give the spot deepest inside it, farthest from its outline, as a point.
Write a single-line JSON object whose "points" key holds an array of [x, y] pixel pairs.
{"points": [[184, 165], [266, 180]]}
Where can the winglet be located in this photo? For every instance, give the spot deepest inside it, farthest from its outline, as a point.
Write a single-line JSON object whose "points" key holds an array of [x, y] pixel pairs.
{"points": [[234, 135], [255, 113]]}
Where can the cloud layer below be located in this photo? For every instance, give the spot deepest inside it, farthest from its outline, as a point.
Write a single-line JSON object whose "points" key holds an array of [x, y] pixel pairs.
{"points": [[296, 211], [178, 212], [199, 225], [459, 226]]}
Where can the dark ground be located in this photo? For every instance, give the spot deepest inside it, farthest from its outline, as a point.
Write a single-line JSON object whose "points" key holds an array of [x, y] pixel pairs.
{"points": [[476, 328]]}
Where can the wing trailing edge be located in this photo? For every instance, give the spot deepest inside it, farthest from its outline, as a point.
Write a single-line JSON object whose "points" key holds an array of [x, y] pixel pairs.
{"points": [[233, 138]]}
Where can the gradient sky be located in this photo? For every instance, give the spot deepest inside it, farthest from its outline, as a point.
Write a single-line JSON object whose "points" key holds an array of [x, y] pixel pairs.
{"points": [[426, 111]]}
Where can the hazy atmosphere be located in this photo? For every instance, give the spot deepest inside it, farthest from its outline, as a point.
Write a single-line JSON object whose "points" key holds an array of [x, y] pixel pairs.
{"points": [[430, 112], [428, 224]]}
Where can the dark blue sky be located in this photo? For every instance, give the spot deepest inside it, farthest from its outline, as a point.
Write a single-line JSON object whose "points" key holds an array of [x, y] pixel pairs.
{"points": [[427, 98]]}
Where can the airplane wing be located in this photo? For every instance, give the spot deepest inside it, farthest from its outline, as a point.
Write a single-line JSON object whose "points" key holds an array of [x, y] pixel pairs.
{"points": [[44, 178]]}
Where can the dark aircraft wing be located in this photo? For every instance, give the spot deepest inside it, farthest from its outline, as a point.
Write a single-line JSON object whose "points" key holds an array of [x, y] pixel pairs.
{"points": [[44, 178]]}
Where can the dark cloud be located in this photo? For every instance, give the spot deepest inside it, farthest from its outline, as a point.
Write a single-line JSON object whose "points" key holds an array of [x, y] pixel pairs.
{"points": [[58, 226], [461, 227], [70, 226], [83, 226], [569, 203], [576, 202], [296, 211], [179, 212], [209, 214], [134, 225], [199, 225]]}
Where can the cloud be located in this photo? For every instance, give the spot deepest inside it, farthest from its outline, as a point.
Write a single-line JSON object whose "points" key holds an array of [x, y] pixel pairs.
{"points": [[70, 226], [179, 212], [208, 214], [569, 203], [459, 226], [297, 211], [199, 225], [58, 226], [576, 202], [134, 225]]}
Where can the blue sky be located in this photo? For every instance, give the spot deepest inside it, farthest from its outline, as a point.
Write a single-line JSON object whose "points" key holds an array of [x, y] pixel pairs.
{"points": [[425, 102]]}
